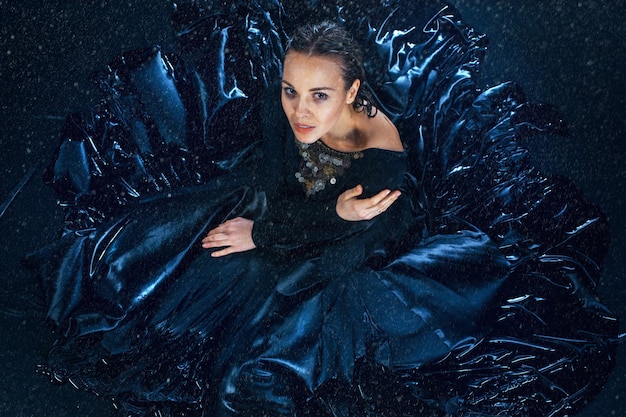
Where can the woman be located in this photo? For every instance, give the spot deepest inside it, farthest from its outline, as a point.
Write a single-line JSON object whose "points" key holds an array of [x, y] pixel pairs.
{"points": [[322, 100], [321, 289]]}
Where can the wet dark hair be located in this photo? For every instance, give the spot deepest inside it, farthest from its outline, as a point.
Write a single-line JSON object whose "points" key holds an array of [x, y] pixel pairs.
{"points": [[328, 39]]}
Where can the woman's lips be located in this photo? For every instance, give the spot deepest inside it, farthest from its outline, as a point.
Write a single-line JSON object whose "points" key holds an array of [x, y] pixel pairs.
{"points": [[302, 128]]}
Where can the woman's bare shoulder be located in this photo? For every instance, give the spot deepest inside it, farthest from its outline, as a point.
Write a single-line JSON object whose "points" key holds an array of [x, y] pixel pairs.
{"points": [[383, 134]]}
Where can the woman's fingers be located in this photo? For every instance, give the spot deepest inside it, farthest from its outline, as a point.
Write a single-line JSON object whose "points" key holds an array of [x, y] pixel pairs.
{"points": [[226, 251], [379, 198], [383, 200], [215, 238]]}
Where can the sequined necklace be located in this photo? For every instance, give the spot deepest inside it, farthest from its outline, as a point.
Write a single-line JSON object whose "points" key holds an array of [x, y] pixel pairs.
{"points": [[321, 165]]}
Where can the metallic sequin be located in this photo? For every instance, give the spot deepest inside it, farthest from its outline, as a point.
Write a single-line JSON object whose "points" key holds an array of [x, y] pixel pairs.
{"points": [[321, 165]]}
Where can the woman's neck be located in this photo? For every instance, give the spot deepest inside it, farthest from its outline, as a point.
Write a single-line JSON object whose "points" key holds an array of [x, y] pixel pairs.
{"points": [[348, 136]]}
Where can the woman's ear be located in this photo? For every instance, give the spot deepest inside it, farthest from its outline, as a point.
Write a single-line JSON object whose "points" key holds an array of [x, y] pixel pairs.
{"points": [[352, 91]]}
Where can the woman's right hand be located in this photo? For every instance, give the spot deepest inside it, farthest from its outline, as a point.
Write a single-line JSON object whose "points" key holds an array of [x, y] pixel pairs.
{"points": [[351, 208]]}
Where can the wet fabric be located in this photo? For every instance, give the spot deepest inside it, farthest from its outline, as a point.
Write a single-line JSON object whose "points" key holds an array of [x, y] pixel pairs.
{"points": [[474, 295]]}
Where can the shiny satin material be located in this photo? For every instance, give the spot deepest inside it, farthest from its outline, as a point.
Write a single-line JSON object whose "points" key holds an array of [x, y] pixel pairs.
{"points": [[489, 308]]}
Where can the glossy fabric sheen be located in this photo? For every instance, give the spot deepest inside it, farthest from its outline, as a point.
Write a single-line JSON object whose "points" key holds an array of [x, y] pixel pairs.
{"points": [[481, 303]]}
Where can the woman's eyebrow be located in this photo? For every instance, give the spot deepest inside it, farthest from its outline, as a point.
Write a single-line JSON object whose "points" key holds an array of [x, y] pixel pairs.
{"points": [[322, 88], [314, 89]]}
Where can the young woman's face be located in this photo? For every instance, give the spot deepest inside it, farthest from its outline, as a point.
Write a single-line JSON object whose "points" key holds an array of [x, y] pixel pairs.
{"points": [[314, 97]]}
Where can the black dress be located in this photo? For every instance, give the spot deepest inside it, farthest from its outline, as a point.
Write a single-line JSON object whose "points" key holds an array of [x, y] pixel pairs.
{"points": [[472, 295]]}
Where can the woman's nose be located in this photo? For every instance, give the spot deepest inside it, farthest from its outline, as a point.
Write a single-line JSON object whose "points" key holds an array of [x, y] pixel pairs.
{"points": [[301, 108]]}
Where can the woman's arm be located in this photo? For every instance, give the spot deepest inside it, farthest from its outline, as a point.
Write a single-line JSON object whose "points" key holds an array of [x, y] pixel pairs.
{"points": [[297, 224], [293, 221]]}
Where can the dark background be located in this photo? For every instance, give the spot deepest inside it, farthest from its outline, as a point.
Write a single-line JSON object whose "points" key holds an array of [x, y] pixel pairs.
{"points": [[565, 52]]}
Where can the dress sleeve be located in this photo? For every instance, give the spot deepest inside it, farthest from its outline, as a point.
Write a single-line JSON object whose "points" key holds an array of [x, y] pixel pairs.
{"points": [[294, 221]]}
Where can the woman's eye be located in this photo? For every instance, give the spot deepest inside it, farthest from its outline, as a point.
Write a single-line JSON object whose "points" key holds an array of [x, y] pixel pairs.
{"points": [[321, 96], [289, 92]]}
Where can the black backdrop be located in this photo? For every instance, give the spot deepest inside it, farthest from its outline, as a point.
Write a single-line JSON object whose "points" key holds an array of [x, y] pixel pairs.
{"points": [[565, 52]]}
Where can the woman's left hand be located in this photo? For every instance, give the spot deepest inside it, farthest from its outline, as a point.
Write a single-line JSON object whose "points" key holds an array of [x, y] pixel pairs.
{"points": [[233, 235], [352, 208]]}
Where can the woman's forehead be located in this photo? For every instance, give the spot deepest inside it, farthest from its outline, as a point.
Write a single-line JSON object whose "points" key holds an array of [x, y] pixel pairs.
{"points": [[302, 68]]}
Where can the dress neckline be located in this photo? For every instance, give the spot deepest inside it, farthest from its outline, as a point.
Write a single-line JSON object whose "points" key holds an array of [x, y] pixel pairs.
{"points": [[352, 153]]}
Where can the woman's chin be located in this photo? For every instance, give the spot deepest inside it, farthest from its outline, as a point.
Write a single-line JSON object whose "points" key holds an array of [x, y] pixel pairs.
{"points": [[305, 138]]}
